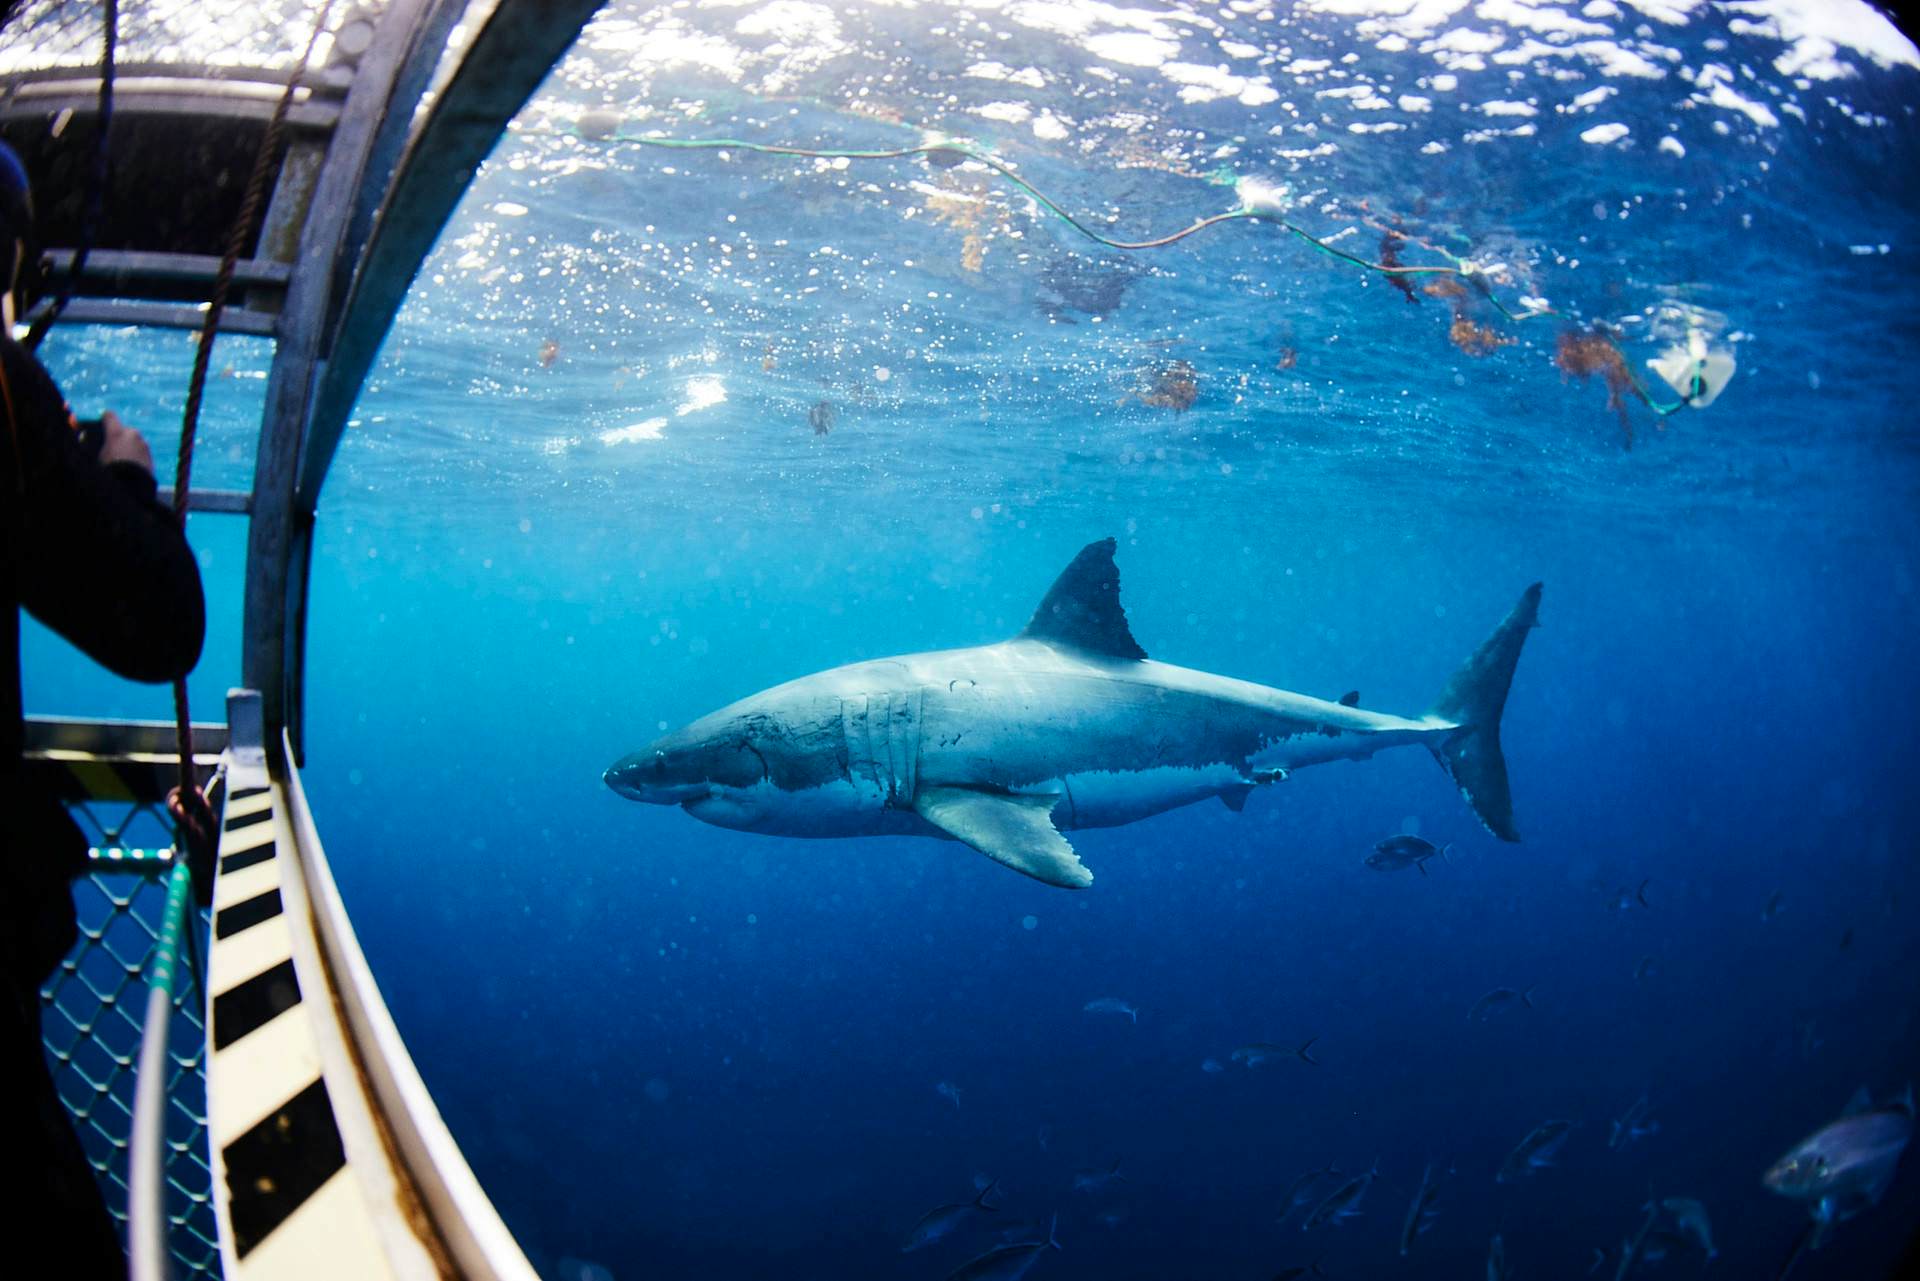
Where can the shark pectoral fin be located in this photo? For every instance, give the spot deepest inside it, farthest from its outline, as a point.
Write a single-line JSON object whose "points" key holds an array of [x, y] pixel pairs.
{"points": [[1235, 798], [1017, 831]]}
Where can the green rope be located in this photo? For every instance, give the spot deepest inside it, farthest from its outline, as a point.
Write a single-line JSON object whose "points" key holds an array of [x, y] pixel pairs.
{"points": [[166, 949], [964, 151], [1660, 409]]}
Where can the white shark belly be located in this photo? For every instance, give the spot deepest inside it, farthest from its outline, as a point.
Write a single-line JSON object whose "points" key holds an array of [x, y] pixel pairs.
{"points": [[1109, 798]]}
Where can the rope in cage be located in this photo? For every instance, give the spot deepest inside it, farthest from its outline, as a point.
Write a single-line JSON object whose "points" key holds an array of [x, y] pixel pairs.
{"points": [[187, 803]]}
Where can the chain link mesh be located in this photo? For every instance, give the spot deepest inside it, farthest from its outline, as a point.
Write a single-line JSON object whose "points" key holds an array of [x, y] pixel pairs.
{"points": [[91, 1011]]}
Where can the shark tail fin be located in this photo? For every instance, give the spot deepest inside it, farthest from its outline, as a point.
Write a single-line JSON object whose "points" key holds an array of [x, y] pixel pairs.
{"points": [[1474, 700]]}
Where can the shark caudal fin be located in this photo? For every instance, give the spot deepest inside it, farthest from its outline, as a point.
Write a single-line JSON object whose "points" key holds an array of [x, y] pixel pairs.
{"points": [[1473, 700]]}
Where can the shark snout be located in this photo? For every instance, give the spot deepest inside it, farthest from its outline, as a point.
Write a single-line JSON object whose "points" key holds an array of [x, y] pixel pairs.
{"points": [[660, 775], [643, 777], [620, 780]]}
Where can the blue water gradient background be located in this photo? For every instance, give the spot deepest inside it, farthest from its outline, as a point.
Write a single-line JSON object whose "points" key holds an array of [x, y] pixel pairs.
{"points": [[683, 1052]]}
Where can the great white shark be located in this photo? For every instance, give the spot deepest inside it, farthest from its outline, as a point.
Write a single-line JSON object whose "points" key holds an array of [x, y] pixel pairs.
{"points": [[1068, 725]]}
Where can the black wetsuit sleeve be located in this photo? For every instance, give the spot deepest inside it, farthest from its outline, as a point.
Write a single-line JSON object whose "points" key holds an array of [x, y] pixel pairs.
{"points": [[102, 561]]}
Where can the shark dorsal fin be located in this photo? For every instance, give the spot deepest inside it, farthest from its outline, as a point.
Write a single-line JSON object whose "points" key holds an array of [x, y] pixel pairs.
{"points": [[1350, 699], [1082, 608], [1860, 1103]]}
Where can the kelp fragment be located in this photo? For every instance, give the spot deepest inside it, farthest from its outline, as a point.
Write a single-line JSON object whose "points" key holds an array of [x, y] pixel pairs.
{"points": [[1585, 353], [822, 417], [1174, 386], [1390, 243]]}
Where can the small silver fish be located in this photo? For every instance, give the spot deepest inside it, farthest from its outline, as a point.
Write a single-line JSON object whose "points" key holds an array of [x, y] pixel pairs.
{"points": [[1397, 853], [1632, 1250], [1691, 1215], [1663, 1244], [943, 1219], [1261, 1051], [948, 1090], [1633, 1124], [1093, 1180], [1499, 996], [1624, 899], [1843, 1168], [1420, 1214], [1497, 1269], [1111, 1005], [1007, 1262], [1342, 1203], [1535, 1152], [1302, 1191]]}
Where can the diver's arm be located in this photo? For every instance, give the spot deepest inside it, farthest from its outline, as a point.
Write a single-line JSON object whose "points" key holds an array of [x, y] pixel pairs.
{"points": [[102, 561]]}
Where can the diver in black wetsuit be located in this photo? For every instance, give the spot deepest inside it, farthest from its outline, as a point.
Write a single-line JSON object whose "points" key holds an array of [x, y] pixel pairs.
{"points": [[86, 545]]}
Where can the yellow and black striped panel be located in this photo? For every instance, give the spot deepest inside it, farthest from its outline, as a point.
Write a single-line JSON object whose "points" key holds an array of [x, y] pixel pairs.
{"points": [[291, 1205]]}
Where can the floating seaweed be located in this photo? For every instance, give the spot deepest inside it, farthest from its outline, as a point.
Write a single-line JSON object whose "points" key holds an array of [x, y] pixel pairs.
{"points": [[1087, 285], [1286, 351], [822, 417], [1584, 353], [1474, 338], [967, 205], [1390, 243], [1172, 386], [1466, 333], [549, 352]]}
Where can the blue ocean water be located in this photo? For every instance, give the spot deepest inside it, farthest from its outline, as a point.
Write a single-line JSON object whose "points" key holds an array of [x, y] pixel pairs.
{"points": [[587, 498]]}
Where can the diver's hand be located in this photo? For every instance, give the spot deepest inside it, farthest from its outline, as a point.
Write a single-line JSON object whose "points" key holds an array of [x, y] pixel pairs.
{"points": [[124, 445]]}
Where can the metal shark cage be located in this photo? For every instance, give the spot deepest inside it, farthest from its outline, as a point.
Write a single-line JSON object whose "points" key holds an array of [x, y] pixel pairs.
{"points": [[242, 1092]]}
